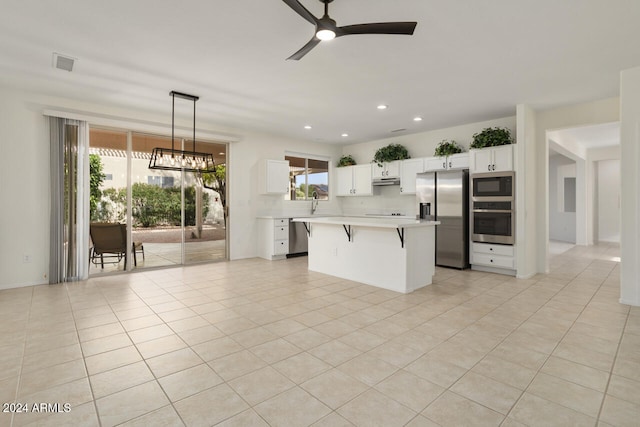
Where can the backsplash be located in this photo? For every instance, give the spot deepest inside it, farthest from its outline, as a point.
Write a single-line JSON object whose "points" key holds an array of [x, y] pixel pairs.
{"points": [[385, 201]]}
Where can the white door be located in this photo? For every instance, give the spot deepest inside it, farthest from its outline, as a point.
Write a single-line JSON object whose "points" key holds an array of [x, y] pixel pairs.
{"points": [[410, 168], [502, 158], [481, 160], [435, 164], [362, 180], [344, 177]]}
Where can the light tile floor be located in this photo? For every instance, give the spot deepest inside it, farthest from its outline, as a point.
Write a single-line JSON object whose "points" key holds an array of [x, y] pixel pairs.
{"points": [[258, 343]]}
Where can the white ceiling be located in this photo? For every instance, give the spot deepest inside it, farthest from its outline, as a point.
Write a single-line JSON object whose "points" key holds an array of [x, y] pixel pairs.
{"points": [[468, 60]]}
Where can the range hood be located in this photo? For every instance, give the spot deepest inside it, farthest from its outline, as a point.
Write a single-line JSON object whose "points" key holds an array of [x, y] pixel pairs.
{"points": [[386, 181]]}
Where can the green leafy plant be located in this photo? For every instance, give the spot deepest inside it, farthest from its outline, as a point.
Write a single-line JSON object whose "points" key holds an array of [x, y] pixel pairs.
{"points": [[347, 160], [96, 178], [447, 148], [390, 153], [492, 137]]}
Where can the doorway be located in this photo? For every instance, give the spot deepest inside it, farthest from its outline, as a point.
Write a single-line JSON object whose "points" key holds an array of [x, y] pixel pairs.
{"points": [[172, 217], [597, 190]]}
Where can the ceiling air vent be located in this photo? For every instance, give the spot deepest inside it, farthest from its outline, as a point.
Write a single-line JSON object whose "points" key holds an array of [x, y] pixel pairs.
{"points": [[398, 130], [62, 62]]}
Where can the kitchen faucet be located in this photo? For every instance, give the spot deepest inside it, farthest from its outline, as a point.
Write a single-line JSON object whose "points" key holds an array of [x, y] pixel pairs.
{"points": [[314, 202]]}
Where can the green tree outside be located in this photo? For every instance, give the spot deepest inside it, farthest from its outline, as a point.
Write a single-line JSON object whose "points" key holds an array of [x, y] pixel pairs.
{"points": [[217, 182], [96, 178]]}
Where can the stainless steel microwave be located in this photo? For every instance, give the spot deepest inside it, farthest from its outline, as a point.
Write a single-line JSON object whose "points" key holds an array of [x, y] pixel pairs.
{"points": [[493, 185]]}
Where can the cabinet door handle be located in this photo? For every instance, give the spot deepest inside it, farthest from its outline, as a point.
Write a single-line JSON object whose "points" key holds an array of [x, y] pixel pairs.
{"points": [[444, 165], [489, 168], [494, 167], [490, 260], [401, 189], [491, 249], [450, 165]]}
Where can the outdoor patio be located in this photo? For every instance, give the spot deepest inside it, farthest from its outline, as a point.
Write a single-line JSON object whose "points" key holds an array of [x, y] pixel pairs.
{"points": [[162, 247]]}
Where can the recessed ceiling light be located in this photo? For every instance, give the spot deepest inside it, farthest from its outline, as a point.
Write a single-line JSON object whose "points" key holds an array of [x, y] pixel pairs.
{"points": [[382, 107], [307, 127], [417, 119], [344, 135], [222, 154]]}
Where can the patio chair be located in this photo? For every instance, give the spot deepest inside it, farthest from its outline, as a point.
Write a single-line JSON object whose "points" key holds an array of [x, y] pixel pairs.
{"points": [[137, 247], [109, 241]]}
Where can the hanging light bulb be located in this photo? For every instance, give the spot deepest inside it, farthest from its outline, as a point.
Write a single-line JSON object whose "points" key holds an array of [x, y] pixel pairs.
{"points": [[161, 160], [173, 160]]}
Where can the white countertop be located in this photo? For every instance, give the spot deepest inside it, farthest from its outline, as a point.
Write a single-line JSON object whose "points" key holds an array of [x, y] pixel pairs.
{"points": [[387, 222]]}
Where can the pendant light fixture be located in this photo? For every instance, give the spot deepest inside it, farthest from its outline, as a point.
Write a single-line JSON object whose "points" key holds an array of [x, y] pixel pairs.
{"points": [[181, 160]]}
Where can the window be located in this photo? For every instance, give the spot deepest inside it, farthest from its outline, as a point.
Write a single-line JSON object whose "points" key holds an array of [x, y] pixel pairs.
{"points": [[160, 181], [308, 176]]}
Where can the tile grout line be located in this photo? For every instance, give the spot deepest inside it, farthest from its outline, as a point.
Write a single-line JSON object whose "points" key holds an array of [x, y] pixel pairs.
{"points": [[559, 341], [24, 351], [613, 365], [84, 359]]}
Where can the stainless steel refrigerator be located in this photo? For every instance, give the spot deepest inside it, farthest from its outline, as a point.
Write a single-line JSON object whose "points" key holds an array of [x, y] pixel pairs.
{"points": [[444, 196]]}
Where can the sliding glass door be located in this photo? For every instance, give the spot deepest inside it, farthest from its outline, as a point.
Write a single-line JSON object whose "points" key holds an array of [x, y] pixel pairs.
{"points": [[175, 217]]}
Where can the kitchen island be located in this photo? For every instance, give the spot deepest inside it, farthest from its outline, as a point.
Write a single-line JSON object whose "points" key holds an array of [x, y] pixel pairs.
{"points": [[391, 253]]}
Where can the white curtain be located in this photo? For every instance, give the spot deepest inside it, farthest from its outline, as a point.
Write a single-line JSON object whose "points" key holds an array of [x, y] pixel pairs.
{"points": [[69, 173]]}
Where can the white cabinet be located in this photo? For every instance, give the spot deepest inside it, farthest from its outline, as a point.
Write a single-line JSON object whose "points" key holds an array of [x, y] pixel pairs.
{"points": [[455, 161], [273, 177], [408, 171], [387, 170], [354, 180], [495, 256], [492, 159], [274, 238]]}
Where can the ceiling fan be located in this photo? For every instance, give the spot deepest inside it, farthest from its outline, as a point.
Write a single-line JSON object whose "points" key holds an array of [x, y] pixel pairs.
{"points": [[326, 28]]}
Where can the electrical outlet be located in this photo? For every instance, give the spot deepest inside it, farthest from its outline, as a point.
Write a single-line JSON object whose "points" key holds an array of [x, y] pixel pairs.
{"points": [[26, 258]]}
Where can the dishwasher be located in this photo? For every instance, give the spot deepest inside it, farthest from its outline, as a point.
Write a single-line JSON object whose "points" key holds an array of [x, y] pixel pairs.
{"points": [[298, 239]]}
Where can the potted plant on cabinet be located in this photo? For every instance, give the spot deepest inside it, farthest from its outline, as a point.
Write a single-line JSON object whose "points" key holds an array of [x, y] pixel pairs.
{"points": [[390, 153], [447, 148], [491, 137], [346, 160]]}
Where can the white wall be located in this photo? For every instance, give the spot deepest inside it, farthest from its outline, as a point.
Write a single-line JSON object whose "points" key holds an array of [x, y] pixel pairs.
{"points": [[526, 202], [608, 200], [24, 191], [606, 211], [562, 225], [630, 201]]}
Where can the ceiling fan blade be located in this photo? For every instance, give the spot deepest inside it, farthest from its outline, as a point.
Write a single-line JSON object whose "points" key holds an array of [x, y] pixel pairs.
{"points": [[301, 10], [305, 49], [405, 28]]}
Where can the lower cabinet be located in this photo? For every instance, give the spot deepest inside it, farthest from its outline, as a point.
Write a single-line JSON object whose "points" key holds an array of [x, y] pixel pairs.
{"points": [[494, 256], [274, 238]]}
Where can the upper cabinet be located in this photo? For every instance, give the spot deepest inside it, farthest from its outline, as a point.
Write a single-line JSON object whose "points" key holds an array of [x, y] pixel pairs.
{"points": [[455, 161], [273, 177], [408, 171], [387, 170], [354, 180], [492, 159]]}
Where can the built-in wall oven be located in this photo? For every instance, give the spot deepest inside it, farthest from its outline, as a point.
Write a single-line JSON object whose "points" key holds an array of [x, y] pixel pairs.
{"points": [[493, 208]]}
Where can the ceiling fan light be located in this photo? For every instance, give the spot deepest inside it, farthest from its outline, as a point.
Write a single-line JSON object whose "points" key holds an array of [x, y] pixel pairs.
{"points": [[325, 35]]}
